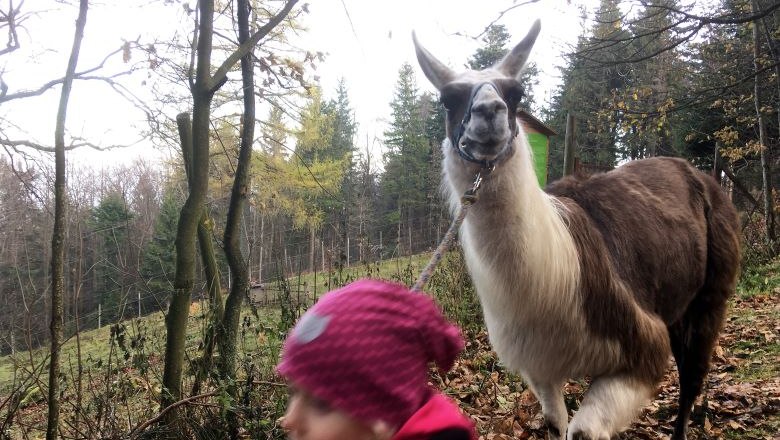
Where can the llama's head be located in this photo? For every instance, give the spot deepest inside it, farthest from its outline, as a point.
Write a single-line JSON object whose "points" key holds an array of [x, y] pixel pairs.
{"points": [[481, 105]]}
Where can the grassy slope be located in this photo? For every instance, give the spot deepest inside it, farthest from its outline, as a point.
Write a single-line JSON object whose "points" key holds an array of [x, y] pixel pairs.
{"points": [[743, 393], [95, 345]]}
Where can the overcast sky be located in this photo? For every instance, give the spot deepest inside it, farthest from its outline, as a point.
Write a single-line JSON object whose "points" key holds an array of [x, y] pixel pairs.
{"points": [[365, 41], [368, 50]]}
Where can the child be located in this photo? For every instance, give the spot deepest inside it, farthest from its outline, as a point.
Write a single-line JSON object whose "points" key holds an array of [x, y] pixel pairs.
{"points": [[357, 362]]}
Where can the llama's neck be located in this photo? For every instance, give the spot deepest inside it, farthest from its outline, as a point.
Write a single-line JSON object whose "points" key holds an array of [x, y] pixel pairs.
{"points": [[516, 233]]}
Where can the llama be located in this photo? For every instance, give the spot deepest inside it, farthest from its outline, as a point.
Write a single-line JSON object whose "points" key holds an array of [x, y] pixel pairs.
{"points": [[602, 276]]}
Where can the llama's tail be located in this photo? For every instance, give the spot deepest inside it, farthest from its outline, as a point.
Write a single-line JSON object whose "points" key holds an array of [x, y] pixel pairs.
{"points": [[723, 252], [694, 337]]}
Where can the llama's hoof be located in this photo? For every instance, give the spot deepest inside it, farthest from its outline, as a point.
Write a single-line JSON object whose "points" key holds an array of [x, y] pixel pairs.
{"points": [[581, 435], [553, 433]]}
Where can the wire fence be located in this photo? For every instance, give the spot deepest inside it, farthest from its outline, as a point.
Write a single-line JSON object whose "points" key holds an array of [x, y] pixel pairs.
{"points": [[29, 330]]}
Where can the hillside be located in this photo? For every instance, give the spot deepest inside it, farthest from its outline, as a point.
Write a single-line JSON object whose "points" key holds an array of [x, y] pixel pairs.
{"points": [[123, 366]]}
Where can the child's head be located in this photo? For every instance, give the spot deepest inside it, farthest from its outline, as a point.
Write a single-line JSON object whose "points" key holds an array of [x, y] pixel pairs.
{"points": [[361, 355]]}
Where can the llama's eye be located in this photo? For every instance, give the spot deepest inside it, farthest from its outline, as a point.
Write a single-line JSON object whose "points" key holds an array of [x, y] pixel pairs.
{"points": [[514, 93], [453, 95]]}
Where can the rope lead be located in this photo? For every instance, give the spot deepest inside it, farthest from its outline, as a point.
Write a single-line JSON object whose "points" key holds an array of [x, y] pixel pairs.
{"points": [[468, 199]]}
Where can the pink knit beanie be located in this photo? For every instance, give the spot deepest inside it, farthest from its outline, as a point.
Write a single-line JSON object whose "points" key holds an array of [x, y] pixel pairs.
{"points": [[365, 349]]}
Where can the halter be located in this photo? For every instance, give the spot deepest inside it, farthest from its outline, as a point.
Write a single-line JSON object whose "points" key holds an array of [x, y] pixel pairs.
{"points": [[465, 154], [469, 198]]}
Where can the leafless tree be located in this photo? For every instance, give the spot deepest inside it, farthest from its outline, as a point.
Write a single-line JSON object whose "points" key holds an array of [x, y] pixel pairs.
{"points": [[58, 235]]}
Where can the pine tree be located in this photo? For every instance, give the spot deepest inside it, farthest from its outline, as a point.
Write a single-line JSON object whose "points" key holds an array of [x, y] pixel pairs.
{"points": [[344, 126], [109, 223], [158, 264], [342, 147], [434, 114], [649, 96], [591, 82], [496, 41], [403, 184], [495, 47], [318, 171]]}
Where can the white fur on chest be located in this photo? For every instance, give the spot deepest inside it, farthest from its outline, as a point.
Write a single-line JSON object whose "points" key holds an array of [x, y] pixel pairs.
{"points": [[533, 331], [525, 268]]}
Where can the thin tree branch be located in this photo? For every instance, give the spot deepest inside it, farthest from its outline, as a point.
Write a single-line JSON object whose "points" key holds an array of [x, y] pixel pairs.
{"points": [[220, 76], [75, 143], [498, 17], [11, 19], [139, 429], [5, 97], [722, 19], [697, 23]]}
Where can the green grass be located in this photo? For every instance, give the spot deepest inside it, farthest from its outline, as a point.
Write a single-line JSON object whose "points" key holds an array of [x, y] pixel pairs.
{"points": [[96, 347], [402, 269], [123, 363], [759, 279], [755, 341], [765, 431]]}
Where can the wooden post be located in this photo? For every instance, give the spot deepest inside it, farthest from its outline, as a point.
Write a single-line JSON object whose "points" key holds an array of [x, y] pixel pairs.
{"points": [[260, 253], [99, 315], [347, 250], [138, 292], [715, 165], [568, 146], [398, 238], [409, 228]]}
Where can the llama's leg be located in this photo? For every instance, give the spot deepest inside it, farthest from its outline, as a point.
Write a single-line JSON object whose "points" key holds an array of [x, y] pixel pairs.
{"points": [[692, 339], [609, 406], [550, 395]]}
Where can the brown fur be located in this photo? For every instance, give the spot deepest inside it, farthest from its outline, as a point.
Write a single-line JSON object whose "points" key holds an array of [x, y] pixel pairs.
{"points": [[669, 235]]}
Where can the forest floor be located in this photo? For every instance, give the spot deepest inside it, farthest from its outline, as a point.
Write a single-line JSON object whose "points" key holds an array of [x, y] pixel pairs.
{"points": [[742, 397]]}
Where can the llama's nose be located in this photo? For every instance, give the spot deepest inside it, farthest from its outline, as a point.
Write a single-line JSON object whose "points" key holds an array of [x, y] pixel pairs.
{"points": [[488, 109]]}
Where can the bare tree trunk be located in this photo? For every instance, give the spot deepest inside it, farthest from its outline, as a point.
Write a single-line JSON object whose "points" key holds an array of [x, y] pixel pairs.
{"points": [[77, 310], [260, 252], [776, 59], [228, 330], [398, 236], [203, 88], [58, 233], [208, 258], [190, 215], [569, 145], [312, 249], [766, 171]]}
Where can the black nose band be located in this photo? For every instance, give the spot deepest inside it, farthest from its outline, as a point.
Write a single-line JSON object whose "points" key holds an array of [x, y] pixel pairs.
{"points": [[467, 115]]}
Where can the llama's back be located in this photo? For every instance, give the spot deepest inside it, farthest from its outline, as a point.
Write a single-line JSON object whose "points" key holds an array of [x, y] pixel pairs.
{"points": [[666, 228]]}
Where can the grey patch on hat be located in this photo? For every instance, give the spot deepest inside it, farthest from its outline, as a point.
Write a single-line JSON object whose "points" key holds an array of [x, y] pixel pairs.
{"points": [[310, 327]]}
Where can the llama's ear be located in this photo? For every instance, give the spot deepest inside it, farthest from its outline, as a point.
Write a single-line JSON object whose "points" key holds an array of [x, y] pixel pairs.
{"points": [[436, 72], [513, 62]]}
